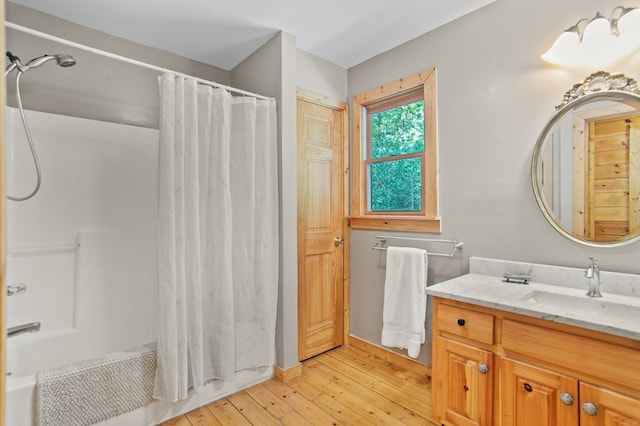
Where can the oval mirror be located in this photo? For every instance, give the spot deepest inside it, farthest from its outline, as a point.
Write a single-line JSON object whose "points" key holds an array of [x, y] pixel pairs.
{"points": [[586, 163]]}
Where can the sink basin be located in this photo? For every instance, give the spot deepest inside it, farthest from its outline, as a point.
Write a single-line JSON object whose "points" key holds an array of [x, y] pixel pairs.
{"points": [[583, 305]]}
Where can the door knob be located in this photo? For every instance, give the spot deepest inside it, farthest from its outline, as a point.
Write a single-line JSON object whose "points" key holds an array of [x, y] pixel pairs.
{"points": [[590, 409], [338, 240], [566, 399]]}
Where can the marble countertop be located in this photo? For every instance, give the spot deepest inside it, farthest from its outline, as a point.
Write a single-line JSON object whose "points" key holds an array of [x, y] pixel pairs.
{"points": [[612, 313]]}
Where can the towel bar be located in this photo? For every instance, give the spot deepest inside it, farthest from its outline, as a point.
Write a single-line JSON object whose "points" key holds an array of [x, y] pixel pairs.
{"points": [[457, 245]]}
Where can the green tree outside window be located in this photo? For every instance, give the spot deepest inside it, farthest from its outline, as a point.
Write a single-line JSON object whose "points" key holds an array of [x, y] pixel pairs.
{"points": [[397, 145]]}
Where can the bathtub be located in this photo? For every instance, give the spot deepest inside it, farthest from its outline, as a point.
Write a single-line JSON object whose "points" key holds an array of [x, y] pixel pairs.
{"points": [[42, 352], [29, 353], [19, 400]]}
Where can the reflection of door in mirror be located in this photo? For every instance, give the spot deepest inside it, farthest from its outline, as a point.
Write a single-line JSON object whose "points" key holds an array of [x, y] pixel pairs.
{"points": [[608, 177], [585, 168], [547, 172]]}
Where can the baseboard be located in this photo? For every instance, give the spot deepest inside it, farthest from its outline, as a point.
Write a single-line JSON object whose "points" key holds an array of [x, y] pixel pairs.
{"points": [[390, 356], [287, 374]]}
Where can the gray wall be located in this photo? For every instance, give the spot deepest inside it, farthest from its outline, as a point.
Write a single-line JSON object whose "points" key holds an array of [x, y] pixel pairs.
{"points": [[320, 76], [271, 71], [495, 95], [96, 87]]}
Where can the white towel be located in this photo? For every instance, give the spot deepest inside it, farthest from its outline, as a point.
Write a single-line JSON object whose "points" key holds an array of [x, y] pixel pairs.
{"points": [[405, 299]]}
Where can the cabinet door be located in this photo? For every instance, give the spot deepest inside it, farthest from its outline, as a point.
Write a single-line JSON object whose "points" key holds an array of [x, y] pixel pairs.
{"points": [[463, 384], [532, 396], [602, 407]]}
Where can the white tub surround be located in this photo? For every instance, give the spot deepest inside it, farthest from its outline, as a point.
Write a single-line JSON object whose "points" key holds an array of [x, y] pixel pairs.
{"points": [[84, 246], [554, 293]]}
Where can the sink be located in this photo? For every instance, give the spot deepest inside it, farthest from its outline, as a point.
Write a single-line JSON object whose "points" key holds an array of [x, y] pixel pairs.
{"points": [[583, 305]]}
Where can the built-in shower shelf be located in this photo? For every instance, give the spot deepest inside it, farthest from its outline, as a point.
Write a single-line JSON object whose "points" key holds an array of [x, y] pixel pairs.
{"points": [[53, 248]]}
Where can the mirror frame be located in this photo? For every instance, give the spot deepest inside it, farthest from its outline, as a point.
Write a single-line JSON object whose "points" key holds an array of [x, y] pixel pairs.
{"points": [[598, 86]]}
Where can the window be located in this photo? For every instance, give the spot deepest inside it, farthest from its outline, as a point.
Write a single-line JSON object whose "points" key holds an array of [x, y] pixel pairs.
{"points": [[395, 148], [395, 156]]}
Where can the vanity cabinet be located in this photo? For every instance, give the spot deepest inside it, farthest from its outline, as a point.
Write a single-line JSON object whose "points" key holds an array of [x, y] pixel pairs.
{"points": [[493, 367], [468, 386], [536, 396], [466, 370], [611, 408]]}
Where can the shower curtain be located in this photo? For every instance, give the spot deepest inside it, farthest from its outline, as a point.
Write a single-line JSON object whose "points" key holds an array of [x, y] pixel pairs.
{"points": [[218, 236]]}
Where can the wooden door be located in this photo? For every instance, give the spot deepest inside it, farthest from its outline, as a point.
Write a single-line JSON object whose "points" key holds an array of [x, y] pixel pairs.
{"points": [[3, 284], [532, 396], [602, 407], [634, 178], [613, 200], [321, 214], [464, 384]]}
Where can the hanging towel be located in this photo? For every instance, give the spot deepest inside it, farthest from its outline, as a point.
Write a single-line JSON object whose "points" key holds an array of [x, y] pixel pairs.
{"points": [[405, 299]]}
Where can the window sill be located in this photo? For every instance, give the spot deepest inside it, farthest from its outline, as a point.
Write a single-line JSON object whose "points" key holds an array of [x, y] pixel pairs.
{"points": [[396, 223]]}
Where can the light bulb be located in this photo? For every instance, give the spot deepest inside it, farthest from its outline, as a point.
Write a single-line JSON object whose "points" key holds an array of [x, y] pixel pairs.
{"points": [[599, 46], [564, 50], [629, 28]]}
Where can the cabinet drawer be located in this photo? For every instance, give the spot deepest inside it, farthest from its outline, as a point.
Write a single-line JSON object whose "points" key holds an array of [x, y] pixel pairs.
{"points": [[581, 354], [465, 323]]}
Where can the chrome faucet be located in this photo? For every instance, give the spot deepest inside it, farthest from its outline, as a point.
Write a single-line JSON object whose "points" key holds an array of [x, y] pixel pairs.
{"points": [[592, 271], [31, 327]]}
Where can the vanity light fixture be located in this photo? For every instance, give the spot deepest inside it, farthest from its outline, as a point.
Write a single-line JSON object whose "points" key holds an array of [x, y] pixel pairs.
{"points": [[597, 42]]}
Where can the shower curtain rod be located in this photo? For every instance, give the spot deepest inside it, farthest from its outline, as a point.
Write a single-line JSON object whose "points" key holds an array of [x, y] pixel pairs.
{"points": [[120, 58]]}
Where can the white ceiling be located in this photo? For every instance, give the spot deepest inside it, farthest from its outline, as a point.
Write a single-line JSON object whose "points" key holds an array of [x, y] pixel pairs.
{"points": [[225, 32]]}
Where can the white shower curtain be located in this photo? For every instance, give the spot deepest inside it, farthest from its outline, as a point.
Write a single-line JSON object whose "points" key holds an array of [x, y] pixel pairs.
{"points": [[218, 236]]}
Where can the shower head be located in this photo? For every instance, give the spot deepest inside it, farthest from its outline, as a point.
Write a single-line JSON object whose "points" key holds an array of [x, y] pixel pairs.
{"points": [[62, 60], [65, 60]]}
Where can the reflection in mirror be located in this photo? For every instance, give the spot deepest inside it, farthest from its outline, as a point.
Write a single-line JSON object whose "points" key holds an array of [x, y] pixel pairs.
{"points": [[586, 165]]}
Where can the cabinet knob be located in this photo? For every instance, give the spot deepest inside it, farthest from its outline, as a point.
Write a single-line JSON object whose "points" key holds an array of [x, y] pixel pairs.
{"points": [[483, 369], [461, 322], [566, 399], [590, 409], [528, 387]]}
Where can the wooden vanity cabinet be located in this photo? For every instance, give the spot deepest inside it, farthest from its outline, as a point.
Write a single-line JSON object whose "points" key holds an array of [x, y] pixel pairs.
{"points": [[467, 389], [536, 396], [464, 378], [612, 408], [492, 367]]}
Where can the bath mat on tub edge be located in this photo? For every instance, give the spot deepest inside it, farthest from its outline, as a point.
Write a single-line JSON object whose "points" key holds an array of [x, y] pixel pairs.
{"points": [[94, 390]]}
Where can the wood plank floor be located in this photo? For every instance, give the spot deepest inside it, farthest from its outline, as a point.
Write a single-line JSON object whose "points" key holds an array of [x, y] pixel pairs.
{"points": [[345, 386]]}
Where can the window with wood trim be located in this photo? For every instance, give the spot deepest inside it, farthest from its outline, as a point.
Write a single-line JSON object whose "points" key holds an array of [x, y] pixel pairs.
{"points": [[395, 176]]}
